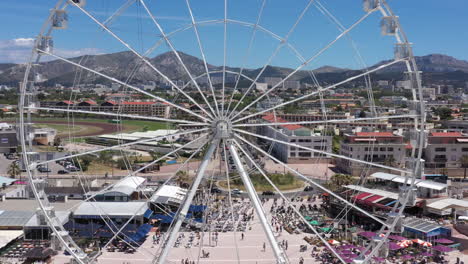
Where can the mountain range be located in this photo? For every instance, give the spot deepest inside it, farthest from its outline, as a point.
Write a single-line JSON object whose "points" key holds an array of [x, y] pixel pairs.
{"points": [[435, 67]]}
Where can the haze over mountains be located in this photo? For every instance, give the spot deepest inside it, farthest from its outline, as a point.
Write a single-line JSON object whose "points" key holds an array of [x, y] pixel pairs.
{"points": [[121, 64]]}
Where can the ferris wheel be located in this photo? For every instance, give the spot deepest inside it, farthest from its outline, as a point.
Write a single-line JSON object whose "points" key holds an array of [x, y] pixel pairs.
{"points": [[215, 110]]}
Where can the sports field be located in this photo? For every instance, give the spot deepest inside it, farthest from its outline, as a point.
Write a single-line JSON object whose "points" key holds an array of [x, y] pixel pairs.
{"points": [[93, 127]]}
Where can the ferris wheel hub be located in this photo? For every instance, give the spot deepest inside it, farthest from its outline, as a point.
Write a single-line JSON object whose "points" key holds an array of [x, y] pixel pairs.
{"points": [[222, 128]]}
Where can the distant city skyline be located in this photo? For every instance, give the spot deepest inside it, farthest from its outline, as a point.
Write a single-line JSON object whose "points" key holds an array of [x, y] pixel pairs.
{"points": [[432, 27]]}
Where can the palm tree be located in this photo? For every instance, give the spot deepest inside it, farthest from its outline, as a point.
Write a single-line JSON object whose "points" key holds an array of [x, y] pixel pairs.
{"points": [[464, 164], [14, 170]]}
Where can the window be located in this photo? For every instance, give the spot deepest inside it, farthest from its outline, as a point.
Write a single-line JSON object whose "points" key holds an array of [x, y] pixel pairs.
{"points": [[390, 149], [4, 140], [464, 149], [293, 154], [382, 149], [376, 149], [292, 148], [366, 149], [293, 140], [440, 149]]}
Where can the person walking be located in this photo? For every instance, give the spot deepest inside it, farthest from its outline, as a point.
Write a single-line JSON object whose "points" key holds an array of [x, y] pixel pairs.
{"points": [[264, 247]]}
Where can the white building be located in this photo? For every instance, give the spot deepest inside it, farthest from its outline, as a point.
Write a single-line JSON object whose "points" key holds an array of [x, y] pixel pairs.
{"points": [[376, 147], [295, 134], [445, 149]]}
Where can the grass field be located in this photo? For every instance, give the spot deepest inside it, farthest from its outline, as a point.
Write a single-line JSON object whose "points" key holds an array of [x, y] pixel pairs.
{"points": [[283, 182], [90, 127]]}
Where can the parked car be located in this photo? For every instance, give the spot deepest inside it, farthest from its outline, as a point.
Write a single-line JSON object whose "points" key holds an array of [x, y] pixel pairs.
{"points": [[63, 172], [72, 168], [215, 190], [43, 169], [268, 193], [308, 189], [236, 191]]}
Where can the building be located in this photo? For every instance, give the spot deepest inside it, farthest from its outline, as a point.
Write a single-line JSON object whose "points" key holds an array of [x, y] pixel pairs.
{"points": [[376, 147], [445, 149], [295, 134], [125, 190], [461, 125], [272, 81], [44, 136], [269, 103], [8, 139], [146, 108]]}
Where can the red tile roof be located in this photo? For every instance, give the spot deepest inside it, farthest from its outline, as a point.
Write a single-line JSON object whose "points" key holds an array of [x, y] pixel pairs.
{"points": [[111, 102], [446, 134], [374, 134], [91, 102], [138, 103], [271, 118], [67, 102]]}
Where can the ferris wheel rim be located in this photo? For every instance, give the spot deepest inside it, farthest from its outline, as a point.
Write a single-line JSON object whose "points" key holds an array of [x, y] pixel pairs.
{"points": [[409, 60]]}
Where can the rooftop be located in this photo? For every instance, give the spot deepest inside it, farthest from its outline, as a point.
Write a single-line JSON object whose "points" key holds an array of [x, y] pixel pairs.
{"points": [[446, 134], [271, 118], [124, 209], [15, 218]]}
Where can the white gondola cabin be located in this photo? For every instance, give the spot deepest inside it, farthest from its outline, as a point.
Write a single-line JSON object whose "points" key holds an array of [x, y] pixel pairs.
{"points": [[389, 25], [402, 50], [370, 5], [79, 3], [45, 43], [60, 19]]}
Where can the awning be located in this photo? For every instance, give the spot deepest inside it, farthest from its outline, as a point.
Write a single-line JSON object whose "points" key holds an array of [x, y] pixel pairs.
{"points": [[148, 213], [6, 236], [361, 196], [418, 182], [373, 198]]}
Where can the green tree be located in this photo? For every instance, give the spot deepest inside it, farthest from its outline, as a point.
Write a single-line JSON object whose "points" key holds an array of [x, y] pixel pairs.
{"points": [[444, 113], [337, 181], [14, 170], [105, 157]]}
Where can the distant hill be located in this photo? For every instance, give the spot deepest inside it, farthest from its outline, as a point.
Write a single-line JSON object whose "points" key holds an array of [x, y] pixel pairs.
{"points": [[432, 63], [122, 64]]}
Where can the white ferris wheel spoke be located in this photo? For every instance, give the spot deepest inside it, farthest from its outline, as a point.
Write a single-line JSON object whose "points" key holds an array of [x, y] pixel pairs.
{"points": [[154, 118], [259, 169], [133, 174], [247, 55], [325, 152], [176, 53], [379, 118], [181, 215], [360, 59], [224, 57], [202, 52], [270, 59], [311, 181], [122, 145], [329, 45], [125, 84], [165, 77], [279, 253], [226, 167], [316, 92], [154, 196]]}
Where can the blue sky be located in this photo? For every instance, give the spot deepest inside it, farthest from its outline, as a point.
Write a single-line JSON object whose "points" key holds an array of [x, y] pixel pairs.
{"points": [[432, 25]]}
